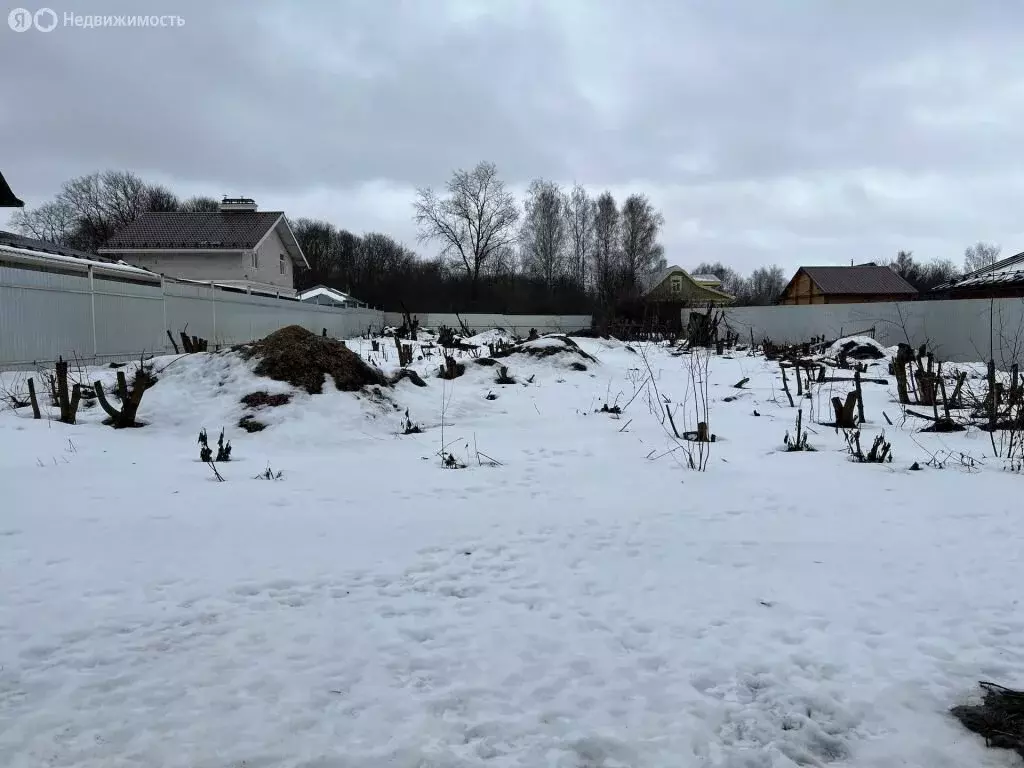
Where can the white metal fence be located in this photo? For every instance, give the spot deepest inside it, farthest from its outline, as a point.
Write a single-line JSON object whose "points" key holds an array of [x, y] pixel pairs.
{"points": [[51, 309], [958, 331], [52, 306]]}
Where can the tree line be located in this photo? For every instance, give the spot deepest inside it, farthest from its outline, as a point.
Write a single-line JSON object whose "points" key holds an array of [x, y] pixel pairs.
{"points": [[557, 251]]}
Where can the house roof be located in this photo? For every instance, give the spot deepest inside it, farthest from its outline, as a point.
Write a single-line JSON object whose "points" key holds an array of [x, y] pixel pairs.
{"points": [[7, 196], [204, 230], [82, 264], [649, 282], [710, 279], [323, 290], [44, 246], [1008, 271], [864, 279]]}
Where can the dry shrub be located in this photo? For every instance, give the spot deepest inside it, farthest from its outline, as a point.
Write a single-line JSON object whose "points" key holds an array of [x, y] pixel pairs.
{"points": [[301, 358], [999, 718]]}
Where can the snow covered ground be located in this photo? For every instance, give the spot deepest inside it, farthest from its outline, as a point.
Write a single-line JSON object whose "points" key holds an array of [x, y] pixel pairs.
{"points": [[587, 602]]}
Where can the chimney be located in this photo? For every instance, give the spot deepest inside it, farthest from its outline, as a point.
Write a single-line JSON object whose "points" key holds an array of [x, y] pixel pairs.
{"points": [[237, 204]]}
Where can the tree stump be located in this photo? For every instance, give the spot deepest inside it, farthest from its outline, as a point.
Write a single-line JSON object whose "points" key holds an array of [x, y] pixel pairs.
{"points": [[845, 417], [33, 399]]}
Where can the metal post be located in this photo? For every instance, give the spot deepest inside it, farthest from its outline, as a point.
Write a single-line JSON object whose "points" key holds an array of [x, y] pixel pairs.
{"points": [[92, 303], [163, 305], [213, 303]]}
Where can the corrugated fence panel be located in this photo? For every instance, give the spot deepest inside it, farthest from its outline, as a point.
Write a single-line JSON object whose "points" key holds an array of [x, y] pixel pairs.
{"points": [[43, 315], [129, 318], [188, 309], [957, 331]]}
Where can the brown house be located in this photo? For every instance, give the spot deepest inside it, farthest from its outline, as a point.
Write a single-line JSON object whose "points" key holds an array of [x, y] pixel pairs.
{"points": [[846, 285]]}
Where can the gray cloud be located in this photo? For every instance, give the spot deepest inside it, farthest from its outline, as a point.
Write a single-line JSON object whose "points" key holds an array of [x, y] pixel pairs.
{"points": [[798, 132]]}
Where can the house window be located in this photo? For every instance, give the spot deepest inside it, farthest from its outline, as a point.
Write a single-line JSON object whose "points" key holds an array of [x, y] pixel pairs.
{"points": [[255, 260], [282, 264], [677, 284]]}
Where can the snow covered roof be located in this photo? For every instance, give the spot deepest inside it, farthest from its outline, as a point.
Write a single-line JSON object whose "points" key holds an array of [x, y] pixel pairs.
{"points": [[328, 293], [1008, 271], [709, 279], [30, 256]]}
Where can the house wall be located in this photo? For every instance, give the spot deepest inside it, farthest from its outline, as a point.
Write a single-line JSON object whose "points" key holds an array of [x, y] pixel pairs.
{"points": [[802, 290], [227, 265], [189, 265], [957, 330], [269, 259]]}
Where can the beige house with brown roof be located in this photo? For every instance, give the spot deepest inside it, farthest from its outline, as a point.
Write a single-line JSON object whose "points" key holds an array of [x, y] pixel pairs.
{"points": [[237, 246]]}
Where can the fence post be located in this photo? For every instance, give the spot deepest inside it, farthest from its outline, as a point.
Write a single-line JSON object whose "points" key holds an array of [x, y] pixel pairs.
{"points": [[213, 304], [92, 309], [163, 306]]}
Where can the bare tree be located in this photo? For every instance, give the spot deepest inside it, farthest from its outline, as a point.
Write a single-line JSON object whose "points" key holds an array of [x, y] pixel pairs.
{"points": [[580, 212], [980, 255], [543, 233], [51, 221], [199, 204], [765, 285], [90, 209], [732, 282], [906, 267], [606, 247], [477, 219], [642, 254]]}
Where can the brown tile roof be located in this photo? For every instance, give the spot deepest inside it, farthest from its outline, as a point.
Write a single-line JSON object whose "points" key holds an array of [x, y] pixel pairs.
{"points": [[217, 229], [858, 280]]}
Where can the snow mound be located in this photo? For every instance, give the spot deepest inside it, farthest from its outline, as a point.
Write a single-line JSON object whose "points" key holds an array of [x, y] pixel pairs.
{"points": [[857, 348], [490, 337], [301, 358], [561, 349]]}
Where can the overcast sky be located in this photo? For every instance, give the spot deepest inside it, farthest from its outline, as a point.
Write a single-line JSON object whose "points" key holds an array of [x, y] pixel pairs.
{"points": [[766, 131]]}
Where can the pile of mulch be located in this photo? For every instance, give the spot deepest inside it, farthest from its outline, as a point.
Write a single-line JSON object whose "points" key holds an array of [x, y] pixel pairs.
{"points": [[999, 718], [302, 358]]}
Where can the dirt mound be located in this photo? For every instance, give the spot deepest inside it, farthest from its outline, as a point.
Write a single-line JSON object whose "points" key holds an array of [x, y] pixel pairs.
{"points": [[301, 358], [263, 399]]}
